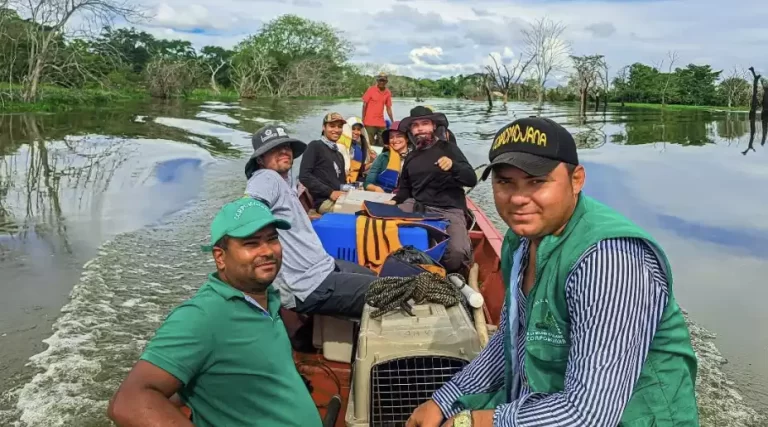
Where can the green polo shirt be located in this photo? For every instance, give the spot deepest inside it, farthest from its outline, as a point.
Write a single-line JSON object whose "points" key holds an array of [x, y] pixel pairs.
{"points": [[234, 360]]}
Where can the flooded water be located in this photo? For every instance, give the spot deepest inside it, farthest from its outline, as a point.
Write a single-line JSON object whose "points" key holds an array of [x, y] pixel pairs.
{"points": [[102, 214]]}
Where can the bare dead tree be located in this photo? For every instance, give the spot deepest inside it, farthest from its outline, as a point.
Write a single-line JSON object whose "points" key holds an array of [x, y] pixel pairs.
{"points": [[621, 78], [252, 75], [606, 85], [671, 59], [543, 41], [309, 77], [488, 92], [588, 70], [52, 18], [504, 77], [214, 71], [170, 78], [733, 85]]}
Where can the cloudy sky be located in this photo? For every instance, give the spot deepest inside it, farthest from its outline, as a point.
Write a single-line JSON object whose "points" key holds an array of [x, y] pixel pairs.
{"points": [[433, 38]]}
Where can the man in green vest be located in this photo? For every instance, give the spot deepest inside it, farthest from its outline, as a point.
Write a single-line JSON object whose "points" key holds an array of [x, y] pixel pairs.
{"points": [[225, 351], [590, 332]]}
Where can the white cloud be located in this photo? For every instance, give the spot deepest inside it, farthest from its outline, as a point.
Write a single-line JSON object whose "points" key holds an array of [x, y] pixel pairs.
{"points": [[192, 16], [392, 32], [426, 55]]}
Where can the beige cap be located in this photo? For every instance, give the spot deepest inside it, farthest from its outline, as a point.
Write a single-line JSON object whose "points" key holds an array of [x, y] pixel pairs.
{"points": [[333, 117]]}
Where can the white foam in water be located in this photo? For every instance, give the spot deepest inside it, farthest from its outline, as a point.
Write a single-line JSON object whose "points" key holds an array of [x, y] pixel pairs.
{"points": [[233, 136], [221, 118], [123, 295], [265, 121], [213, 105]]}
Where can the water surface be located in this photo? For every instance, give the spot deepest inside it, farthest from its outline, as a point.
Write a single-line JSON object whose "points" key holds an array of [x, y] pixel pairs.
{"points": [[102, 215]]}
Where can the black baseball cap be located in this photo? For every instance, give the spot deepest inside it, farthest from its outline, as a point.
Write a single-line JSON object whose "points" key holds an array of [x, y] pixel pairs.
{"points": [[535, 145]]}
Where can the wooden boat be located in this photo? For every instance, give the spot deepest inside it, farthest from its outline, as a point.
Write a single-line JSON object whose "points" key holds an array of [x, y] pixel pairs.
{"points": [[329, 378]]}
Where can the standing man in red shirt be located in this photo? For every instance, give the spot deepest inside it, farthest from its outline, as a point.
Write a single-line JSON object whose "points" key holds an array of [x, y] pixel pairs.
{"points": [[374, 101]]}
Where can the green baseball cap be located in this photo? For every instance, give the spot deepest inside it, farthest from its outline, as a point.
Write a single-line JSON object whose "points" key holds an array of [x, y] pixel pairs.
{"points": [[242, 218]]}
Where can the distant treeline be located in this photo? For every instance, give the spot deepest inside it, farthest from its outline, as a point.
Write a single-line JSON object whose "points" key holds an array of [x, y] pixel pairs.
{"points": [[689, 85], [292, 56], [289, 56]]}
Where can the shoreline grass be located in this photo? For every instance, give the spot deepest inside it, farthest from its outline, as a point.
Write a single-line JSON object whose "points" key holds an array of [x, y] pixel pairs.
{"points": [[677, 107], [56, 99]]}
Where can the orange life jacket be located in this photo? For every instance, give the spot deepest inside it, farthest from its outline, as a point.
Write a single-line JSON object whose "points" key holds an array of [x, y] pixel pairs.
{"points": [[377, 238]]}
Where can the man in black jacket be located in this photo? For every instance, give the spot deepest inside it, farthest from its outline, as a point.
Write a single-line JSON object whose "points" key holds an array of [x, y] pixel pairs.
{"points": [[433, 178], [322, 165]]}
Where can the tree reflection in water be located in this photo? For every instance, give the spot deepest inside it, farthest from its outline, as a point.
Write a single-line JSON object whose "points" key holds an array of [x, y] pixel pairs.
{"points": [[38, 173]]}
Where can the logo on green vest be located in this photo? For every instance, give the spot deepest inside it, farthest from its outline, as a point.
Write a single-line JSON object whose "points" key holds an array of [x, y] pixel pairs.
{"points": [[545, 327]]}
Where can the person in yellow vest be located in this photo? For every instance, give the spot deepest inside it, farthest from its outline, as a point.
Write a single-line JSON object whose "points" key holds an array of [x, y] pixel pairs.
{"points": [[385, 170], [356, 150]]}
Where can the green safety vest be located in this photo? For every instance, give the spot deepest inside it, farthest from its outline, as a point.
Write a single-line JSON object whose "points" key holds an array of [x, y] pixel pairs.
{"points": [[664, 393]]}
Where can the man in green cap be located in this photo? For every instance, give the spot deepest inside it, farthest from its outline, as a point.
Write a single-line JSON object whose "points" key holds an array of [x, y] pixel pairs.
{"points": [[225, 351]]}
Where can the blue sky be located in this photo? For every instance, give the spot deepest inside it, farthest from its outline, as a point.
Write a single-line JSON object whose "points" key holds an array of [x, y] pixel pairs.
{"points": [[433, 38]]}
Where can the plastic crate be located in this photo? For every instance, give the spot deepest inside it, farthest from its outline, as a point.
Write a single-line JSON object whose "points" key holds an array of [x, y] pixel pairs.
{"points": [[338, 233]]}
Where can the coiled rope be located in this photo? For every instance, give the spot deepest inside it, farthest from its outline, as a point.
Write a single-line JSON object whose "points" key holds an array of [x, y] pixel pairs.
{"points": [[390, 293]]}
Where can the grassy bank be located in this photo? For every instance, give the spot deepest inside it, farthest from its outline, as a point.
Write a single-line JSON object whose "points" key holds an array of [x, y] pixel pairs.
{"points": [[56, 99], [53, 99], [675, 107]]}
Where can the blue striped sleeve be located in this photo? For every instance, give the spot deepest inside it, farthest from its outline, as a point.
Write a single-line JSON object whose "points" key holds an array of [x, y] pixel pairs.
{"points": [[615, 296], [484, 374]]}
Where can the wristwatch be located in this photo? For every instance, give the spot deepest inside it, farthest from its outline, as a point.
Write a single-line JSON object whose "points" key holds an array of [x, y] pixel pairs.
{"points": [[463, 419]]}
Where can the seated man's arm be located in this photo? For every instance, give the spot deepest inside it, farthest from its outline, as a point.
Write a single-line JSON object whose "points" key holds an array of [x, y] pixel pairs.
{"points": [[179, 350], [307, 174], [484, 374], [144, 399], [615, 307], [462, 171], [403, 192], [264, 187]]}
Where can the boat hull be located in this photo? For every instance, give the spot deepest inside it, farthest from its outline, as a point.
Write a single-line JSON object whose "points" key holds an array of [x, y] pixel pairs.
{"points": [[329, 378]]}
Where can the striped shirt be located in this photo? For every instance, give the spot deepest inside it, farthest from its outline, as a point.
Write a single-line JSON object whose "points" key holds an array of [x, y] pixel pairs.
{"points": [[615, 296]]}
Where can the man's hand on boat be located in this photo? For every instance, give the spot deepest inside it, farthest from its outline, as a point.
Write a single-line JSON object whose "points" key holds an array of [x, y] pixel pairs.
{"points": [[374, 188], [428, 414], [445, 163]]}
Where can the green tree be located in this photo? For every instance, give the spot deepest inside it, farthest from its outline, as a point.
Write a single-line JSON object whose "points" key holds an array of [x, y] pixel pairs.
{"points": [[696, 84], [290, 38], [643, 84]]}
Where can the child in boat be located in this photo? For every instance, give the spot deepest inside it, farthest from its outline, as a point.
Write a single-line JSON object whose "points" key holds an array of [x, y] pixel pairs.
{"points": [[385, 172]]}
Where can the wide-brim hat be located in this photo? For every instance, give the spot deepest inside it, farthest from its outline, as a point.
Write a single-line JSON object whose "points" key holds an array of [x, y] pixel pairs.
{"points": [[422, 112], [269, 138]]}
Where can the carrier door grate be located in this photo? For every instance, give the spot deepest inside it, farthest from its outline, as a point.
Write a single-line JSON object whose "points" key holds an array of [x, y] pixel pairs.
{"points": [[398, 386]]}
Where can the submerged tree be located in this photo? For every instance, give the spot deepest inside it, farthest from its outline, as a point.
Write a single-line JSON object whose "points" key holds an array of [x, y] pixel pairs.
{"points": [[504, 76], [734, 87], [588, 74], [671, 60], [544, 43]]}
